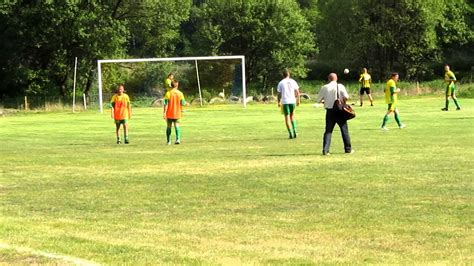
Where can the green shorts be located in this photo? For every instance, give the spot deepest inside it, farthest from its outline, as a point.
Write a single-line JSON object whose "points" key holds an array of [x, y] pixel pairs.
{"points": [[450, 89], [288, 109], [123, 122]]}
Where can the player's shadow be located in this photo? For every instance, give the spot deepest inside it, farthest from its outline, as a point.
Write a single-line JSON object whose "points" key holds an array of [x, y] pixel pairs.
{"points": [[239, 141], [281, 154], [464, 118]]}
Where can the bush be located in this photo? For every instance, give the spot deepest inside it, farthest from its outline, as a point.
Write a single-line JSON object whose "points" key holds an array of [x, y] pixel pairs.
{"points": [[466, 91], [143, 101]]}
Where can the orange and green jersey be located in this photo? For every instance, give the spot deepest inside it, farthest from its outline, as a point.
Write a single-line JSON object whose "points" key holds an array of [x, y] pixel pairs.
{"points": [[365, 80], [121, 106], [174, 99], [449, 77], [390, 92]]}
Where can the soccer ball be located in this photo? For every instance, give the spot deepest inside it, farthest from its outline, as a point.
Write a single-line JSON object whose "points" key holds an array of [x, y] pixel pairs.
{"points": [[346, 71]]}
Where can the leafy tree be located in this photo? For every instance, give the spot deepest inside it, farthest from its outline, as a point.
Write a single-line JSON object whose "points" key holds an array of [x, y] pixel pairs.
{"points": [[38, 58], [403, 34], [155, 26], [271, 34], [456, 33], [334, 29], [392, 35], [456, 27], [155, 31]]}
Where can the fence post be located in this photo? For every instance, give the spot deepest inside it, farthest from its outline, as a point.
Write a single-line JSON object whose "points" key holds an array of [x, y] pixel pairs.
{"points": [[26, 102], [85, 103]]}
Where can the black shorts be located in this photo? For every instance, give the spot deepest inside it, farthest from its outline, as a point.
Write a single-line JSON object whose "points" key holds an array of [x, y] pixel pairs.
{"points": [[366, 90], [171, 120]]}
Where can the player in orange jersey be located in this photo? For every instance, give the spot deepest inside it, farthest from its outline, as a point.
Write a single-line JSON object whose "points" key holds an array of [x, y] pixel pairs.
{"points": [[121, 112], [172, 111]]}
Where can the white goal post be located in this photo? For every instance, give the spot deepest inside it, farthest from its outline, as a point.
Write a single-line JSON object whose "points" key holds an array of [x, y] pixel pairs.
{"points": [[195, 59]]}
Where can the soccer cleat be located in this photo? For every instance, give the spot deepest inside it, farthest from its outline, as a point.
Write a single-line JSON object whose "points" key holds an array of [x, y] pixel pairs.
{"points": [[444, 109], [384, 128], [177, 141], [168, 143], [126, 141], [350, 152], [118, 141], [326, 153], [402, 126], [458, 109]]}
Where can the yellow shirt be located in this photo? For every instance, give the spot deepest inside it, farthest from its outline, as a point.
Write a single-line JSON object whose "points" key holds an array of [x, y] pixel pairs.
{"points": [[121, 105], [390, 92], [365, 80], [168, 84], [449, 77]]}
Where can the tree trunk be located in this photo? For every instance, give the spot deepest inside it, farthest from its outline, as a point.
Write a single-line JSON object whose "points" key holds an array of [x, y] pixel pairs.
{"points": [[88, 85], [62, 85]]}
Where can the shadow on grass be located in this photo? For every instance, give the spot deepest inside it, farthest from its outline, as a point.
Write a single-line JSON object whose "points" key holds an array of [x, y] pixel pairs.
{"points": [[282, 155]]}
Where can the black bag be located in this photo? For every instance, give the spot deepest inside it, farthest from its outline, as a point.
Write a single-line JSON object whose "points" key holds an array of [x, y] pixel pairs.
{"points": [[343, 109]]}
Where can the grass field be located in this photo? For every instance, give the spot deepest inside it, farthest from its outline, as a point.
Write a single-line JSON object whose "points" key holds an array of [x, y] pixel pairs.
{"points": [[237, 191]]}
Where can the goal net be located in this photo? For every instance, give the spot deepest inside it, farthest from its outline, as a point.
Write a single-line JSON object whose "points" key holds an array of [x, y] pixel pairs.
{"points": [[237, 63]]}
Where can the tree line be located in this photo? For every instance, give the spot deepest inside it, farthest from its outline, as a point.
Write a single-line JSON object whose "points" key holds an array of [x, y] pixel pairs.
{"points": [[41, 38]]}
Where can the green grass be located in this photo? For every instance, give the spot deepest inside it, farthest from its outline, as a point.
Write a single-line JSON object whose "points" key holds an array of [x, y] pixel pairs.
{"points": [[237, 191]]}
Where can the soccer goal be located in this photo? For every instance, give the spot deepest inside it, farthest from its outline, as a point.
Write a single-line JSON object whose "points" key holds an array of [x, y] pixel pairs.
{"points": [[173, 59]]}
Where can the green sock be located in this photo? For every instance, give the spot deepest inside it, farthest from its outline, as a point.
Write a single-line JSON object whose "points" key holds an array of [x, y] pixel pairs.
{"points": [[397, 118], [294, 127], [125, 137], [178, 133], [289, 131], [456, 103], [168, 134], [386, 118], [446, 105]]}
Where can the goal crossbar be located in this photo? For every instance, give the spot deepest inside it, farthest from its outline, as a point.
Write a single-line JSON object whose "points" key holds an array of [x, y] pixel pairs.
{"points": [[169, 59]]}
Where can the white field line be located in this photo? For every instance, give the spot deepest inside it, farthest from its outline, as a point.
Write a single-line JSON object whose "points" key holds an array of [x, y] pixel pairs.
{"points": [[74, 260]]}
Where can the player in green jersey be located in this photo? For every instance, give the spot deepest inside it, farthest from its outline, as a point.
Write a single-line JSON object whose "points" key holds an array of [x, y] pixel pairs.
{"points": [[391, 98], [450, 80]]}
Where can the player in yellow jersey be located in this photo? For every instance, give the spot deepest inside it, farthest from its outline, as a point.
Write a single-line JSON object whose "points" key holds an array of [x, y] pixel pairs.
{"points": [[450, 80], [172, 111], [391, 98], [365, 81], [121, 112], [169, 82]]}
